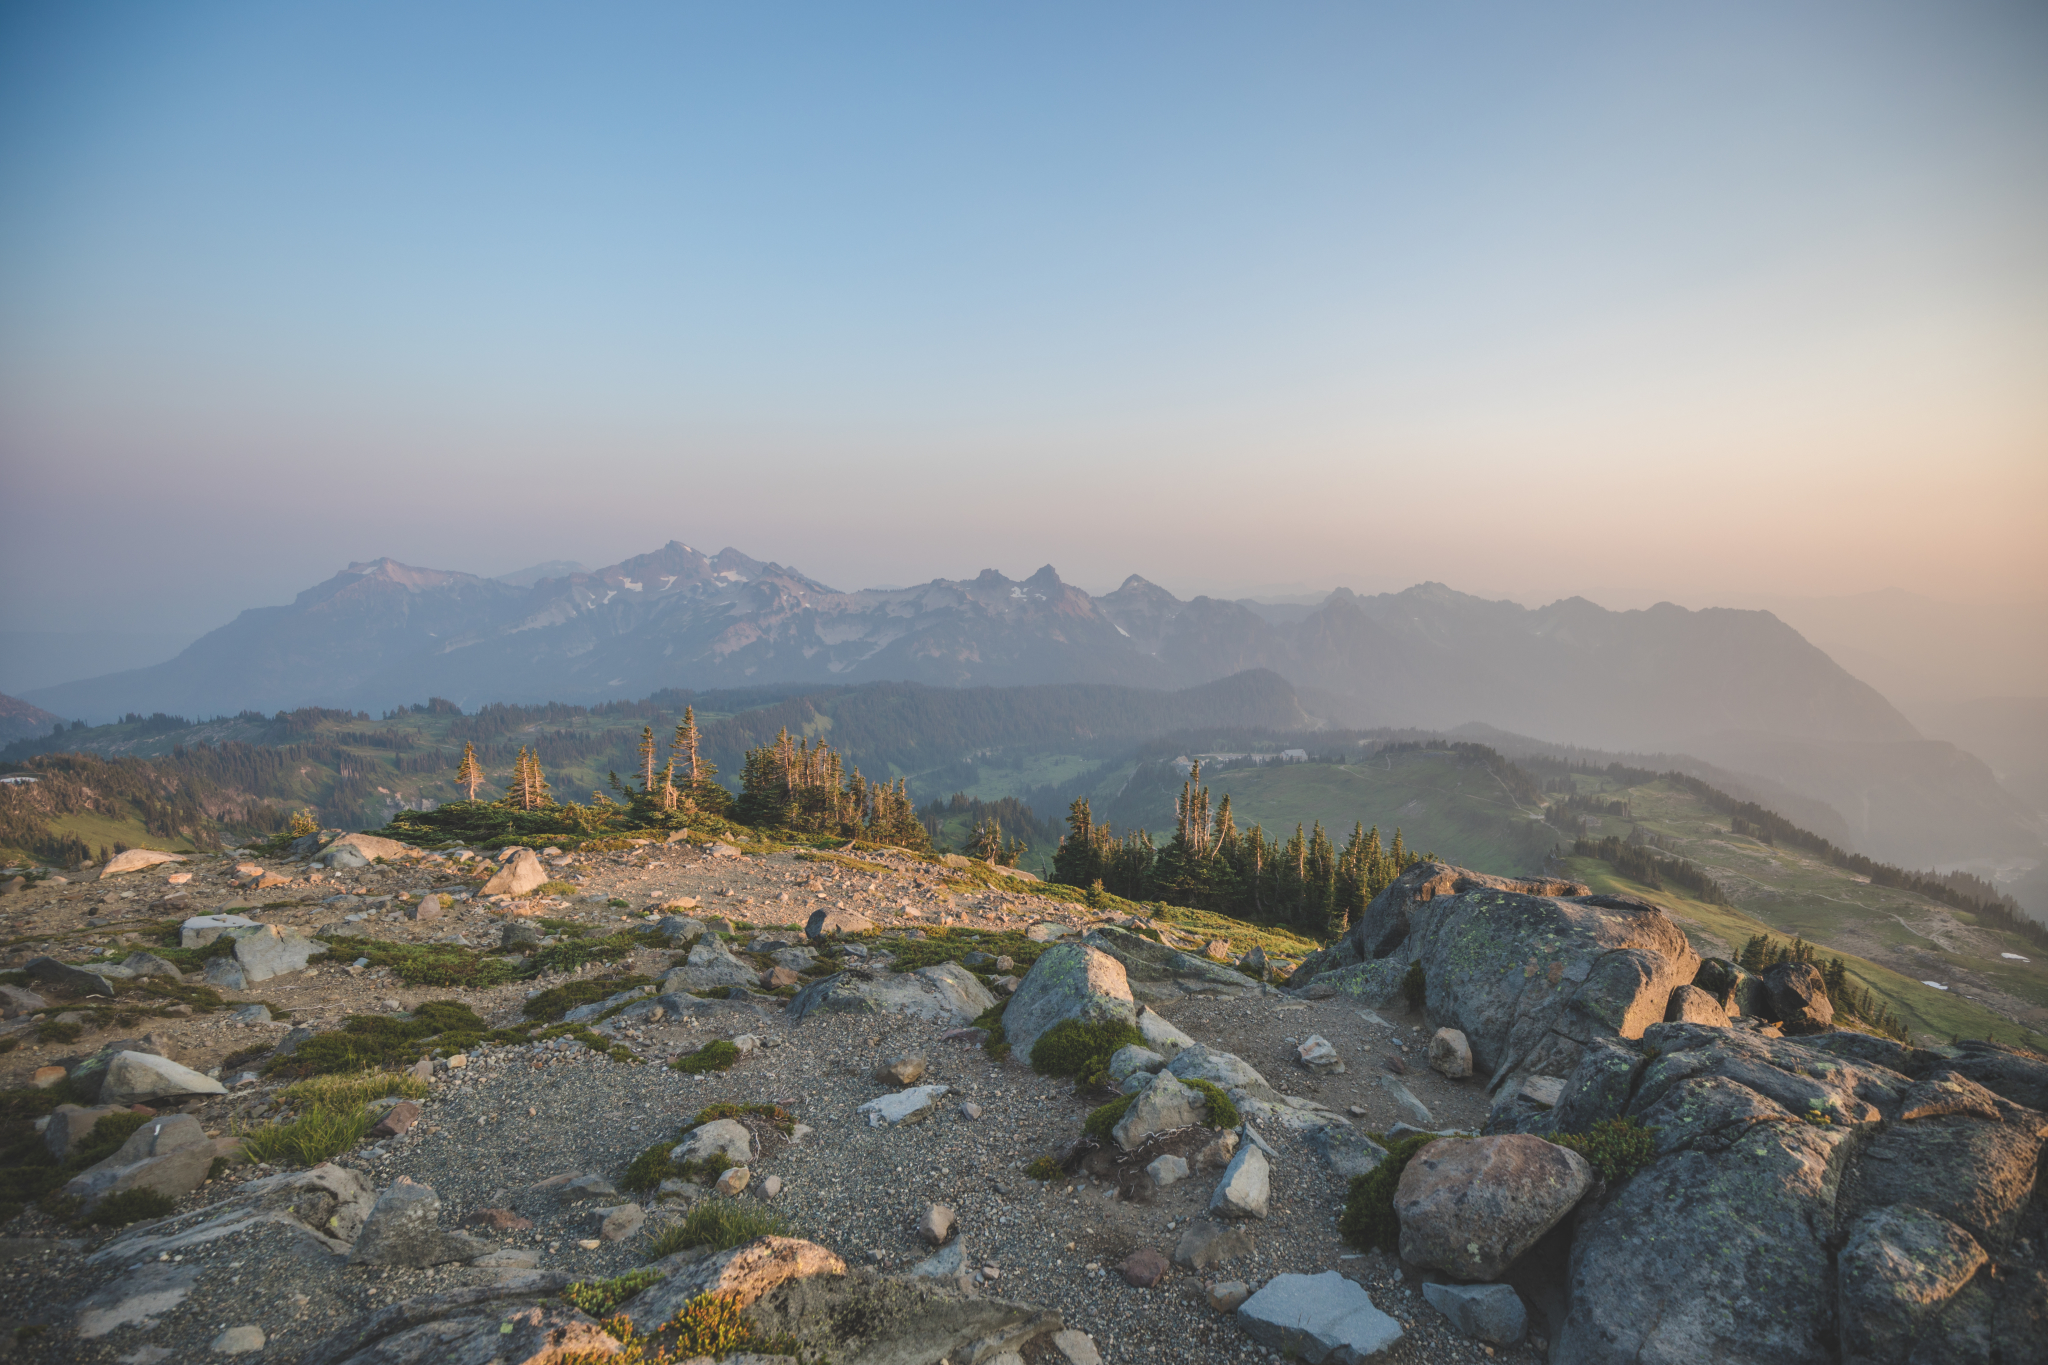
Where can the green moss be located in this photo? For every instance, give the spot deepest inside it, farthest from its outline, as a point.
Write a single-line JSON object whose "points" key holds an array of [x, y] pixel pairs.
{"points": [[1616, 1148], [716, 1055], [997, 1044], [378, 1042], [1099, 1123], [131, 1206], [436, 964], [1221, 1112], [1081, 1048], [781, 1117], [1368, 1220], [1044, 1168]]}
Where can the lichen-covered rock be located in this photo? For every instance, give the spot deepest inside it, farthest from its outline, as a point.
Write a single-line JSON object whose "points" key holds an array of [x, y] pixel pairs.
{"points": [[728, 1138], [1161, 1105], [745, 1273], [1900, 1266], [1386, 923], [1691, 1005], [1132, 1060], [1470, 1206], [1068, 981], [1736, 991], [403, 1230]]}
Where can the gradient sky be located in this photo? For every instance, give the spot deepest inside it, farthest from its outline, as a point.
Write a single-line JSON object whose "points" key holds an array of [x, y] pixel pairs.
{"points": [[1641, 302]]}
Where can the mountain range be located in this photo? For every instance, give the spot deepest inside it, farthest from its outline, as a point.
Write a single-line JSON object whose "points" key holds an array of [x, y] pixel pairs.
{"points": [[381, 633]]}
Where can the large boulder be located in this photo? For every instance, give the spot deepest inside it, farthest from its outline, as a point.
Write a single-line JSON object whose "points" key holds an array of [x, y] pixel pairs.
{"points": [[521, 876], [1808, 1198], [1739, 994], [1799, 997], [136, 859], [1470, 1206], [77, 980], [262, 951], [946, 992], [1386, 923], [357, 850], [1317, 1317], [171, 1156], [133, 1077], [1068, 981], [1157, 973]]}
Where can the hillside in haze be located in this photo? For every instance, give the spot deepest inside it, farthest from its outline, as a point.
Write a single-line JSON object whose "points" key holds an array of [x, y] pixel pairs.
{"points": [[381, 634]]}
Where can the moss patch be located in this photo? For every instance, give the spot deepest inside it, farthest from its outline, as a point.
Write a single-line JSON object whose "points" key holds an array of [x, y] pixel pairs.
{"points": [[1368, 1220], [1099, 1123], [1616, 1148], [716, 1055], [1221, 1112], [1081, 1048]]}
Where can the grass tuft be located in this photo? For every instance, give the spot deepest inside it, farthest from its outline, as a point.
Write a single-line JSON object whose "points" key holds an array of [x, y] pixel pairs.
{"points": [[1616, 1148], [716, 1055], [131, 1206], [1099, 1123]]}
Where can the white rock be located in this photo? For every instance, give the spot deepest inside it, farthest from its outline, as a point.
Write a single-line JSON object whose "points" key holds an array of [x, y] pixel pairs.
{"points": [[134, 860], [1246, 1189], [148, 1291], [1077, 1347], [1317, 1317], [1162, 1105], [1450, 1054], [1318, 1055], [728, 1138], [1414, 1110], [905, 1106], [239, 1341], [201, 930], [1133, 1060], [136, 1076]]}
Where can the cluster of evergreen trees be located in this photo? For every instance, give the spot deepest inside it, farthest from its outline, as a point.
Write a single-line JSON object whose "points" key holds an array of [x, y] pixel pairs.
{"points": [[1008, 825], [1761, 952], [792, 785], [1636, 862], [1303, 883]]}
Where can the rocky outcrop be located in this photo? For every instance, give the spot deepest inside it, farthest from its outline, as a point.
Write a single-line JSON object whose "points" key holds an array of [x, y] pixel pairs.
{"points": [[1807, 1199], [1387, 923], [136, 859], [1157, 974], [1069, 981], [1470, 1206]]}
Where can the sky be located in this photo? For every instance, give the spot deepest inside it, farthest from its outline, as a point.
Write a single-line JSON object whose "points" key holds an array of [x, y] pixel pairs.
{"points": [[1699, 303]]}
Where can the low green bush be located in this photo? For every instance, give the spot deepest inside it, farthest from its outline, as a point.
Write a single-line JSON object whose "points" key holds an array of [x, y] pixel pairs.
{"points": [[556, 1001], [1044, 1168], [716, 1055], [105, 1139], [719, 1224], [1099, 1123], [131, 1206], [599, 1297], [375, 1042], [319, 1135], [1081, 1048], [1616, 1148], [435, 964], [728, 1109], [1368, 1220]]}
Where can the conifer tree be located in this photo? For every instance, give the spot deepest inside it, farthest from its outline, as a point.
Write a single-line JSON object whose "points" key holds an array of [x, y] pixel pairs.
{"points": [[469, 773], [647, 760]]}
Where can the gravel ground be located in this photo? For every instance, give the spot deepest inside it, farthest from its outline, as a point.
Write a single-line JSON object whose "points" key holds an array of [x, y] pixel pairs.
{"points": [[517, 1116]]}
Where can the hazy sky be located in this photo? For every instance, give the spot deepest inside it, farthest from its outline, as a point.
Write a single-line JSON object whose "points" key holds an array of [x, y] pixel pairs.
{"points": [[1638, 301]]}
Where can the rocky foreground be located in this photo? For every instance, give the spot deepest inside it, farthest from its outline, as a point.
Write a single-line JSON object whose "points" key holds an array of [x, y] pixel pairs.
{"points": [[1803, 1193]]}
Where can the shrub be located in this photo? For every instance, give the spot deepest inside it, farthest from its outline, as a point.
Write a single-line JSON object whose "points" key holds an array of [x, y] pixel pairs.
{"points": [[57, 1031], [716, 1055], [131, 1206], [552, 888], [599, 1297], [1044, 1168], [105, 1139], [655, 1165], [1368, 1220], [1616, 1148], [373, 1042], [710, 1325], [1415, 987], [1081, 1048], [781, 1117], [1222, 1113], [721, 1225], [319, 1135], [1099, 1123], [997, 1044], [556, 1001], [437, 964]]}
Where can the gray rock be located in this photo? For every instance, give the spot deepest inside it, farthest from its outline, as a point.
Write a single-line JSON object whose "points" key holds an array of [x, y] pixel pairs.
{"points": [[239, 1341], [1246, 1189], [518, 877], [1738, 993], [17, 1000], [728, 1138], [1133, 1060], [617, 1223], [1163, 1104], [1161, 1035], [1492, 1313], [1068, 981], [1167, 1170], [824, 924], [1469, 1207], [1414, 1110], [1450, 1055], [77, 980], [948, 1262], [2020, 1077], [135, 859], [1900, 1267], [1205, 1245], [946, 993], [1799, 998], [1155, 972], [796, 959], [168, 1155], [251, 1014], [1317, 1318], [71, 1124], [149, 964], [403, 1230], [142, 1293], [133, 1077], [710, 964], [905, 1106], [1319, 1055], [1227, 1069], [520, 933], [1348, 1153], [508, 1258], [676, 928], [201, 930], [1599, 1086]]}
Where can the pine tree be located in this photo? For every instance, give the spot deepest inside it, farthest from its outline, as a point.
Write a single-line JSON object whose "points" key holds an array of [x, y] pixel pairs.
{"points": [[647, 760], [469, 773]]}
